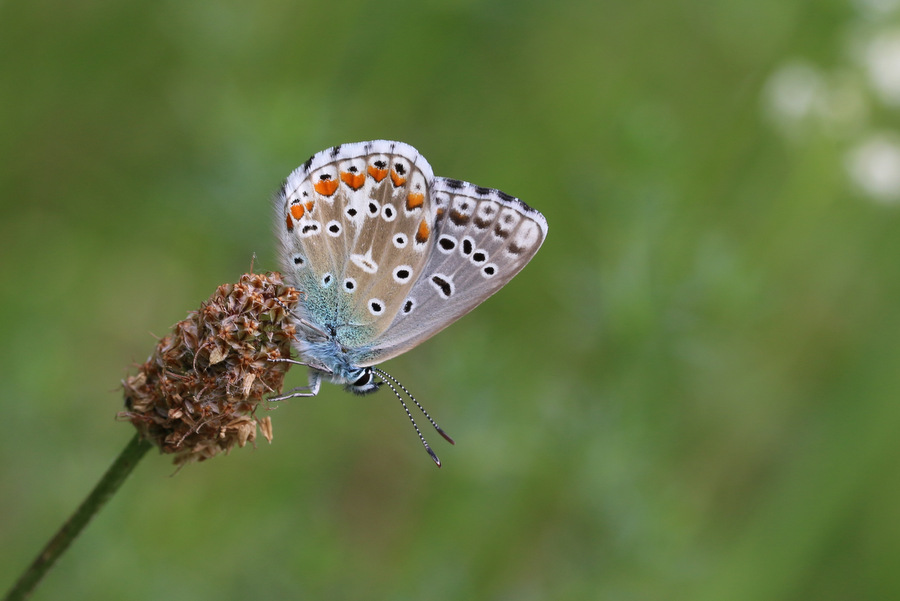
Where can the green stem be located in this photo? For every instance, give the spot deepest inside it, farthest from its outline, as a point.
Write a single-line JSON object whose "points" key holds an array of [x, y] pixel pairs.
{"points": [[106, 488]]}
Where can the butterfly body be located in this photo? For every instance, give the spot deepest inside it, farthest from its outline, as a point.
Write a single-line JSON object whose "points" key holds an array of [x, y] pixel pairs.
{"points": [[386, 254]]}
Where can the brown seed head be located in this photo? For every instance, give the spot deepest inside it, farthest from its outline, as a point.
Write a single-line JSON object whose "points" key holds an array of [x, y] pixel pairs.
{"points": [[197, 394]]}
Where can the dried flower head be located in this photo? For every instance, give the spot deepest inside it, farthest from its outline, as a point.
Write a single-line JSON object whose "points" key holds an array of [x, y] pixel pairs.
{"points": [[197, 394]]}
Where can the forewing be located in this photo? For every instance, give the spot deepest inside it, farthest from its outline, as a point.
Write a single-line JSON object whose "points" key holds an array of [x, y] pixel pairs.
{"points": [[483, 237], [356, 227]]}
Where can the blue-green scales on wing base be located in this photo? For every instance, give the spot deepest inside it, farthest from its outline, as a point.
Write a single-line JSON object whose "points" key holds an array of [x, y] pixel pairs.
{"points": [[386, 255]]}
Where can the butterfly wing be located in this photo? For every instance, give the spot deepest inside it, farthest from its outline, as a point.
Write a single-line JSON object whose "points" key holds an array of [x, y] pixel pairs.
{"points": [[483, 237], [355, 231]]}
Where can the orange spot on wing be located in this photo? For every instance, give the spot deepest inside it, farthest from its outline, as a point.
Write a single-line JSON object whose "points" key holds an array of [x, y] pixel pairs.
{"points": [[414, 200], [310, 204], [297, 211], [376, 173], [398, 179], [326, 187], [354, 180], [290, 222], [422, 233]]}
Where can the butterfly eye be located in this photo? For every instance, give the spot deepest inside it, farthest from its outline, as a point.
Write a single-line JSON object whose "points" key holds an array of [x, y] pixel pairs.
{"points": [[363, 379], [365, 383]]}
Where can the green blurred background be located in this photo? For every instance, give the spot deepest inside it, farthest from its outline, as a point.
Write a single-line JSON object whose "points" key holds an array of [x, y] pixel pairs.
{"points": [[690, 393]]}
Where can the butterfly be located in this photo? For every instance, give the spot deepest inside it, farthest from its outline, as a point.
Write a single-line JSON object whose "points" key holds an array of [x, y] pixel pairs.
{"points": [[386, 255]]}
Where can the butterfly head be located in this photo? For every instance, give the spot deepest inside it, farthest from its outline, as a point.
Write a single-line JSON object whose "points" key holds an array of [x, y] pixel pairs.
{"points": [[362, 381]]}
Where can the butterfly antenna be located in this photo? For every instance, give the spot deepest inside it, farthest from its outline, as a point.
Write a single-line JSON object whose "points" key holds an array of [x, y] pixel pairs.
{"points": [[413, 421], [440, 431]]}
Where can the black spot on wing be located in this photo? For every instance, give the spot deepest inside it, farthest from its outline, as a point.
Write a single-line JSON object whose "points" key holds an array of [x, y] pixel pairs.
{"points": [[443, 285]]}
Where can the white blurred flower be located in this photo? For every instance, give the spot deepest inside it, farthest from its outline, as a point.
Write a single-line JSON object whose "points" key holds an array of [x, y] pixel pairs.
{"points": [[874, 166], [798, 96], [881, 61], [792, 92], [876, 8]]}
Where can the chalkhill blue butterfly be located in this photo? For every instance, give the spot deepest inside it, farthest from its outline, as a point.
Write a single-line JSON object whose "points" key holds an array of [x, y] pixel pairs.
{"points": [[386, 255]]}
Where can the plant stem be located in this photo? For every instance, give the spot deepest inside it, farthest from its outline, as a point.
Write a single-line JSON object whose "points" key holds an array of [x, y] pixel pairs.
{"points": [[103, 491]]}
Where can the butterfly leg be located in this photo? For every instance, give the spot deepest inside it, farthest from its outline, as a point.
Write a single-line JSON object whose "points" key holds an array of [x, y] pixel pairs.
{"points": [[315, 379]]}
